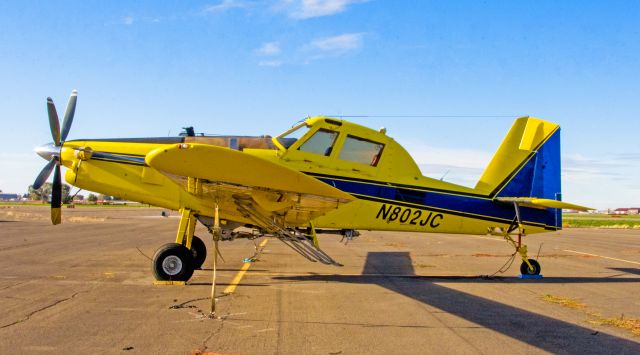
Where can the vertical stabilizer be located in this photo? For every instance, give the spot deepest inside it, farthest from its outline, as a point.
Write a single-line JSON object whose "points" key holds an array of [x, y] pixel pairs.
{"points": [[527, 163]]}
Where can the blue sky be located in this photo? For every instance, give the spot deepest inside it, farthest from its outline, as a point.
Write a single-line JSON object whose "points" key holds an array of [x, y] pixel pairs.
{"points": [[255, 67]]}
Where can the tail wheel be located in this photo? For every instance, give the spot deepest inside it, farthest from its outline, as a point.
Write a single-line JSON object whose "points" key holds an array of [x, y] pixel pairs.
{"points": [[173, 262], [526, 270], [199, 252]]}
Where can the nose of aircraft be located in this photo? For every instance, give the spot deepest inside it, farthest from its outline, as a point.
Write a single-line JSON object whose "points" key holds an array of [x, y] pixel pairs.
{"points": [[47, 151]]}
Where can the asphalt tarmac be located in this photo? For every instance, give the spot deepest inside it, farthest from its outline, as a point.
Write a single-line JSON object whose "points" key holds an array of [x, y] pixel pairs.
{"points": [[86, 287]]}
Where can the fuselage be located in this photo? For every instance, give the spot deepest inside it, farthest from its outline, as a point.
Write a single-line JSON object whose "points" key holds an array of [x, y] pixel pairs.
{"points": [[391, 192]]}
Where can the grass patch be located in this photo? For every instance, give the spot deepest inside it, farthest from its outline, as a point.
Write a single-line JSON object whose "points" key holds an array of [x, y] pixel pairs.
{"points": [[395, 245], [564, 301], [78, 205], [128, 205], [601, 223], [631, 324], [592, 220], [600, 215]]}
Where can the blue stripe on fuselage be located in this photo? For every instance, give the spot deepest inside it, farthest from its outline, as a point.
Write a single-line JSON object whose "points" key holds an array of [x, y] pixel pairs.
{"points": [[472, 207]]}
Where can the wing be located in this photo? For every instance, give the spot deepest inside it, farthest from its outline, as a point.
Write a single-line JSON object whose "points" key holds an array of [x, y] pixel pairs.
{"points": [[245, 185]]}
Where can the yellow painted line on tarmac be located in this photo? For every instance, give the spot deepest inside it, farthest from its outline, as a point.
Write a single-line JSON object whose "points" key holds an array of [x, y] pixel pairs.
{"points": [[243, 270], [317, 275], [169, 283], [604, 257]]}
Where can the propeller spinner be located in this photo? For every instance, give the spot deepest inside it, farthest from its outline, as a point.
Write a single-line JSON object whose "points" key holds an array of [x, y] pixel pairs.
{"points": [[51, 153]]}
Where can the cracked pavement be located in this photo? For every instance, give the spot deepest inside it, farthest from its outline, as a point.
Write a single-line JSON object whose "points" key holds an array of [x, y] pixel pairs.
{"points": [[86, 287]]}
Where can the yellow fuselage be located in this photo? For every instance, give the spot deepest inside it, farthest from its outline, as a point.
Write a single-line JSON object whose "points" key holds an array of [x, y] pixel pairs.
{"points": [[392, 195]]}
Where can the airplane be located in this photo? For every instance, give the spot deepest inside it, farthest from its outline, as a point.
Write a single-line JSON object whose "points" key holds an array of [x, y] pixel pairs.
{"points": [[323, 175]]}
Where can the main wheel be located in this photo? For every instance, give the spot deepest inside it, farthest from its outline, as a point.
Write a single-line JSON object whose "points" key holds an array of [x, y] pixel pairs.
{"points": [[525, 270], [199, 251], [173, 262]]}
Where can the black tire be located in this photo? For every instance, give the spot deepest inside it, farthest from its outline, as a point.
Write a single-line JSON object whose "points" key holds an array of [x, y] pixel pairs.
{"points": [[524, 268], [172, 262], [199, 252]]}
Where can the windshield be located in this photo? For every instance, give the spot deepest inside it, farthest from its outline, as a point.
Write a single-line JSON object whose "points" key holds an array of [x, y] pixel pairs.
{"points": [[291, 136], [320, 142]]}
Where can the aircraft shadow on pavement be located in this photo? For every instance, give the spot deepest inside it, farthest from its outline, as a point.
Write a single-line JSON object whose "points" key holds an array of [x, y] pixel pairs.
{"points": [[628, 270], [543, 332]]}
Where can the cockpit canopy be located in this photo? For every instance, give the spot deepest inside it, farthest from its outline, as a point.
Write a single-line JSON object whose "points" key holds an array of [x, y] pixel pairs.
{"points": [[344, 145]]}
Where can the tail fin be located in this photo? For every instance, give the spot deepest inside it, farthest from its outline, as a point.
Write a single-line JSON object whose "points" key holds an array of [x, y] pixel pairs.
{"points": [[527, 164], [526, 169]]}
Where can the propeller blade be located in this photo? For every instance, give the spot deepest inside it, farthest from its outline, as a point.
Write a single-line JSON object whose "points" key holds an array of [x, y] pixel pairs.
{"points": [[56, 197], [54, 122], [44, 174], [68, 116]]}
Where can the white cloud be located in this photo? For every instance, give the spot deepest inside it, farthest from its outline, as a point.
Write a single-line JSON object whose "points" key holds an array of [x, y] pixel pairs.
{"points": [[304, 9], [464, 158], [602, 181], [295, 9], [459, 166], [577, 167], [337, 45], [606, 181], [225, 5], [270, 63], [452, 173], [269, 49], [128, 20]]}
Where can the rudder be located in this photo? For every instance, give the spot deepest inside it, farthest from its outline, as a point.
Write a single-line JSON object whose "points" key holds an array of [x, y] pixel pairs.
{"points": [[527, 163]]}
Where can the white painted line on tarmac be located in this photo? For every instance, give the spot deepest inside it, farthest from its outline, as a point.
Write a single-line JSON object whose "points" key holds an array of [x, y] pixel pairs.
{"points": [[604, 257], [495, 239]]}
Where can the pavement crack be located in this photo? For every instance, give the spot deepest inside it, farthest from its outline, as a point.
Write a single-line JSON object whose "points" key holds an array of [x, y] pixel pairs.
{"points": [[280, 319], [13, 285], [215, 332], [186, 304], [51, 305]]}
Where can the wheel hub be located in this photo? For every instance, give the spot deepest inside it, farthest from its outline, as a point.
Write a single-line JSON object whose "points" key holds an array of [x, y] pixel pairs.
{"points": [[172, 265]]}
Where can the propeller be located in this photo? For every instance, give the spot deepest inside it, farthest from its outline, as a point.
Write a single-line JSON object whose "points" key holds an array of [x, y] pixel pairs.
{"points": [[51, 153]]}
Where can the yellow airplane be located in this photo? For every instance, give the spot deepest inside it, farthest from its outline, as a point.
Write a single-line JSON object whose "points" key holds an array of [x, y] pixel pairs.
{"points": [[324, 175]]}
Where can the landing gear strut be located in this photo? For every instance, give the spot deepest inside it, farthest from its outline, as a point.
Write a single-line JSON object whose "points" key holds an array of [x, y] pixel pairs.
{"points": [[528, 266]]}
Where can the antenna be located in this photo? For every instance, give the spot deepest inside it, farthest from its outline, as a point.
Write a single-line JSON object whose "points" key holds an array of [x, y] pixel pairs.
{"points": [[445, 174]]}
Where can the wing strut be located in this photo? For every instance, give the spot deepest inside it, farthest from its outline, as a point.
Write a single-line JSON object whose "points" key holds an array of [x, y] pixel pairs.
{"points": [[215, 232]]}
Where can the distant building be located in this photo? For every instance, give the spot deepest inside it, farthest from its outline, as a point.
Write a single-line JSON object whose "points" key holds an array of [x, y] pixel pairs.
{"points": [[625, 210], [10, 197]]}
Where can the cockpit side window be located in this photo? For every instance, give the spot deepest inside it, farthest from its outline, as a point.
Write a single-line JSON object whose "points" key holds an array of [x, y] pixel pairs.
{"points": [[294, 134], [320, 142], [362, 151]]}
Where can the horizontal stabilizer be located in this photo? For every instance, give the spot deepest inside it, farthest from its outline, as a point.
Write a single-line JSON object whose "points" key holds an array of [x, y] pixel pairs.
{"points": [[542, 203]]}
